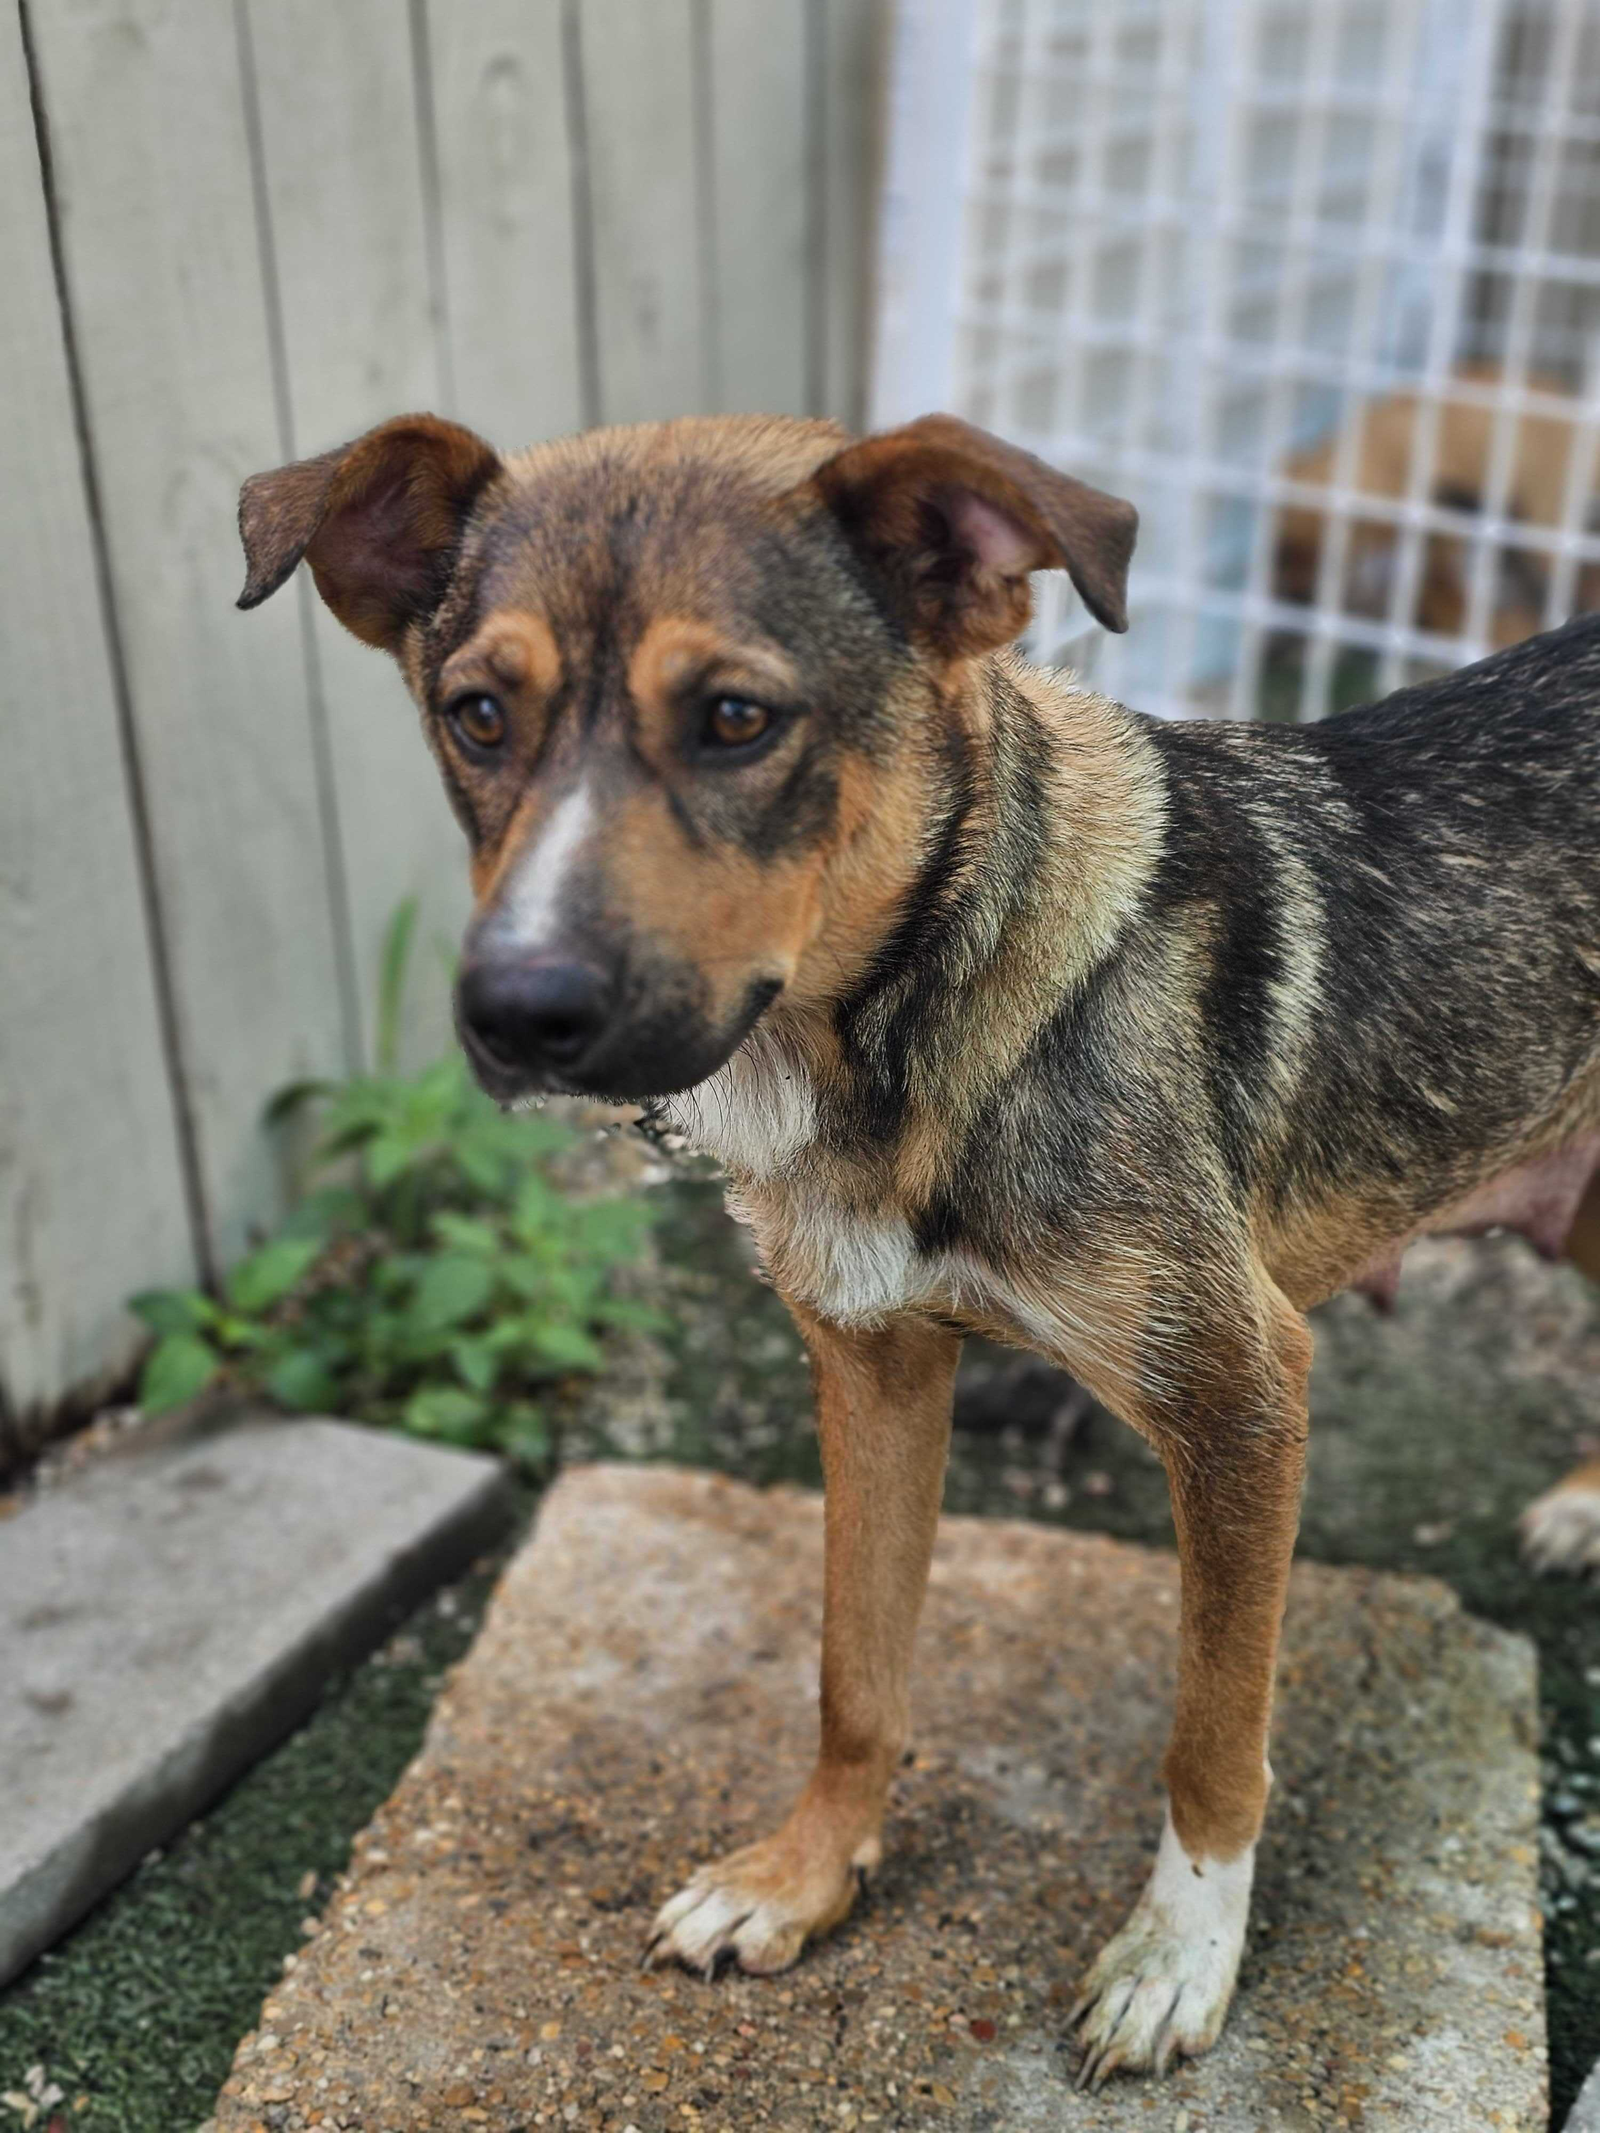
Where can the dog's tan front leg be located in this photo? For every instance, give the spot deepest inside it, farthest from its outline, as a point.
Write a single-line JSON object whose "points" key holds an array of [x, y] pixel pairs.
{"points": [[1234, 1450], [883, 1415]]}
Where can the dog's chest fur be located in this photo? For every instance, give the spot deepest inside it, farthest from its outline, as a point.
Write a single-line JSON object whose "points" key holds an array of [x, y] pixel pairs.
{"points": [[852, 1265], [758, 1116]]}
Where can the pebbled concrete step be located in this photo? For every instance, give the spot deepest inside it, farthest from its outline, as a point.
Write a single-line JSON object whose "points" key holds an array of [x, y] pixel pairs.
{"points": [[168, 1616], [642, 1696]]}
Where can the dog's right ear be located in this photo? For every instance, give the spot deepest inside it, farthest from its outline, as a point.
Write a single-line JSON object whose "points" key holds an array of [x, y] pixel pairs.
{"points": [[951, 521], [378, 521]]}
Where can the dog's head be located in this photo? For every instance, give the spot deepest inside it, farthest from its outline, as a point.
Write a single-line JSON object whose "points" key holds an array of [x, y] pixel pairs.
{"points": [[689, 686]]}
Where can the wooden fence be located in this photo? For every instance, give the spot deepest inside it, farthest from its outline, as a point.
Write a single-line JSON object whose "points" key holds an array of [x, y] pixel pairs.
{"points": [[232, 235]]}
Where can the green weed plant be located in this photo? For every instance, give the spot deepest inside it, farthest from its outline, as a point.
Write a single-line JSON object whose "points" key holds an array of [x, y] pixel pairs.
{"points": [[435, 1277]]}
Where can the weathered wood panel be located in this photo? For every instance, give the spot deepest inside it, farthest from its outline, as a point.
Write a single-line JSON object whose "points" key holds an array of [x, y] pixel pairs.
{"points": [[345, 182], [91, 1185], [761, 208], [508, 212], [643, 98], [853, 60], [154, 184], [281, 222]]}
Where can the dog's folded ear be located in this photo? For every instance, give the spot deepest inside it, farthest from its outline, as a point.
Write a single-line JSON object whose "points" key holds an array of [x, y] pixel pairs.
{"points": [[378, 521], [953, 520]]}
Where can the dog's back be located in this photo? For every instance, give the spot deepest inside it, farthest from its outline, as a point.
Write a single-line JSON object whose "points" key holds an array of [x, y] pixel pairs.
{"points": [[1410, 910]]}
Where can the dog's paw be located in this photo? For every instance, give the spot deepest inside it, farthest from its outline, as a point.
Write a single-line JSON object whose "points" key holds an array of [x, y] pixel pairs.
{"points": [[758, 1906], [1161, 1987], [1560, 1530]]}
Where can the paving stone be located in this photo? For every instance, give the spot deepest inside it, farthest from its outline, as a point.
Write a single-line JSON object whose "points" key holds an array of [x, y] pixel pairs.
{"points": [[1584, 2117], [642, 1696], [170, 1615]]}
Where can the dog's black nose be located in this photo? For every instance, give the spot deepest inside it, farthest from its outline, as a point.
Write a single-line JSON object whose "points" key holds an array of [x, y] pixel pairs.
{"points": [[533, 1014]]}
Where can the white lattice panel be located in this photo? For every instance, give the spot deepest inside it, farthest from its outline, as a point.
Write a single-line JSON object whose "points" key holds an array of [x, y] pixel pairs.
{"points": [[1317, 285]]}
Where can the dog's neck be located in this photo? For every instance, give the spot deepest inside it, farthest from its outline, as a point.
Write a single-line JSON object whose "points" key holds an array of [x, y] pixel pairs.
{"points": [[1038, 827]]}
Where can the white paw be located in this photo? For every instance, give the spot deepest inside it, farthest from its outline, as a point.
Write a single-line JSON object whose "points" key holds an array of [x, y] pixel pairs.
{"points": [[1561, 1530], [759, 1907], [1162, 1985]]}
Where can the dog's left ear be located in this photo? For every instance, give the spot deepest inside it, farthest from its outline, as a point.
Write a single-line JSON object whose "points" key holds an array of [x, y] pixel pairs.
{"points": [[377, 520], [954, 520]]}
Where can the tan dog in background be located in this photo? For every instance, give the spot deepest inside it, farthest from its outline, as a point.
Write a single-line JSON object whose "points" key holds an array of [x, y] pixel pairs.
{"points": [[1387, 443], [1007, 1010]]}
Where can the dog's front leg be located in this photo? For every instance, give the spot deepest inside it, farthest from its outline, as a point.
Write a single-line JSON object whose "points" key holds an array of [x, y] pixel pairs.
{"points": [[1234, 1448], [883, 1415]]}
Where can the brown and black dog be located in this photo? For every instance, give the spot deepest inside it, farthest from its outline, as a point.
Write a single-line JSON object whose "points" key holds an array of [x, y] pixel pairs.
{"points": [[1006, 1009]]}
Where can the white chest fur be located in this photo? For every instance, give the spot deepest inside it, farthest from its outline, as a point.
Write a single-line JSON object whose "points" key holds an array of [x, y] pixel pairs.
{"points": [[759, 1116]]}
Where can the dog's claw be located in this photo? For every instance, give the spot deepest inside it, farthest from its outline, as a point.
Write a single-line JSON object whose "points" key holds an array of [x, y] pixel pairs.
{"points": [[1160, 1988], [757, 1909]]}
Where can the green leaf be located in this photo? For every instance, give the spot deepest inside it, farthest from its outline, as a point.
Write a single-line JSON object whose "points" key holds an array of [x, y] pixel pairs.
{"points": [[537, 1210], [174, 1310], [387, 1155], [505, 1336], [302, 1379], [525, 1435], [477, 1361], [467, 1233], [392, 982], [446, 1411], [176, 1370], [483, 1165], [323, 1214], [232, 1331], [259, 1281], [568, 1346], [294, 1097], [528, 1276], [452, 1288]]}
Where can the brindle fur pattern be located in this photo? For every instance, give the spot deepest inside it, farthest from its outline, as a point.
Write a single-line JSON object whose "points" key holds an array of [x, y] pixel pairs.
{"points": [[1007, 1009]]}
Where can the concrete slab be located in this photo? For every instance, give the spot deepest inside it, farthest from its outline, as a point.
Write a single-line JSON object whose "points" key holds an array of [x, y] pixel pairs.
{"points": [[166, 1618], [642, 1696], [1584, 2117]]}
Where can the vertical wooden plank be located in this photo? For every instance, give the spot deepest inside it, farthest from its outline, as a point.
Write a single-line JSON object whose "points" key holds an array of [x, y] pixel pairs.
{"points": [[344, 190], [91, 1191], [651, 297], [506, 206], [761, 224], [853, 58], [159, 238]]}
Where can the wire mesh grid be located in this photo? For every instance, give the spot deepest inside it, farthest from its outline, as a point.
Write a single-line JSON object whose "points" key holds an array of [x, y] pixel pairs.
{"points": [[1317, 285]]}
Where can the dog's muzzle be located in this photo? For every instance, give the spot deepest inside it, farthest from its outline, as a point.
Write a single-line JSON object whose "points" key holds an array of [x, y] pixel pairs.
{"points": [[568, 1023], [531, 1023]]}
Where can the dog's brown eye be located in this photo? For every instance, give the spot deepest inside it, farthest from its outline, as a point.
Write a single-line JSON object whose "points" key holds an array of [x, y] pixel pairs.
{"points": [[733, 722], [478, 719]]}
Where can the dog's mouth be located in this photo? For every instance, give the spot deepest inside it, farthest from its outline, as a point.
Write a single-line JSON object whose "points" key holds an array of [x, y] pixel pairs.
{"points": [[640, 1059]]}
